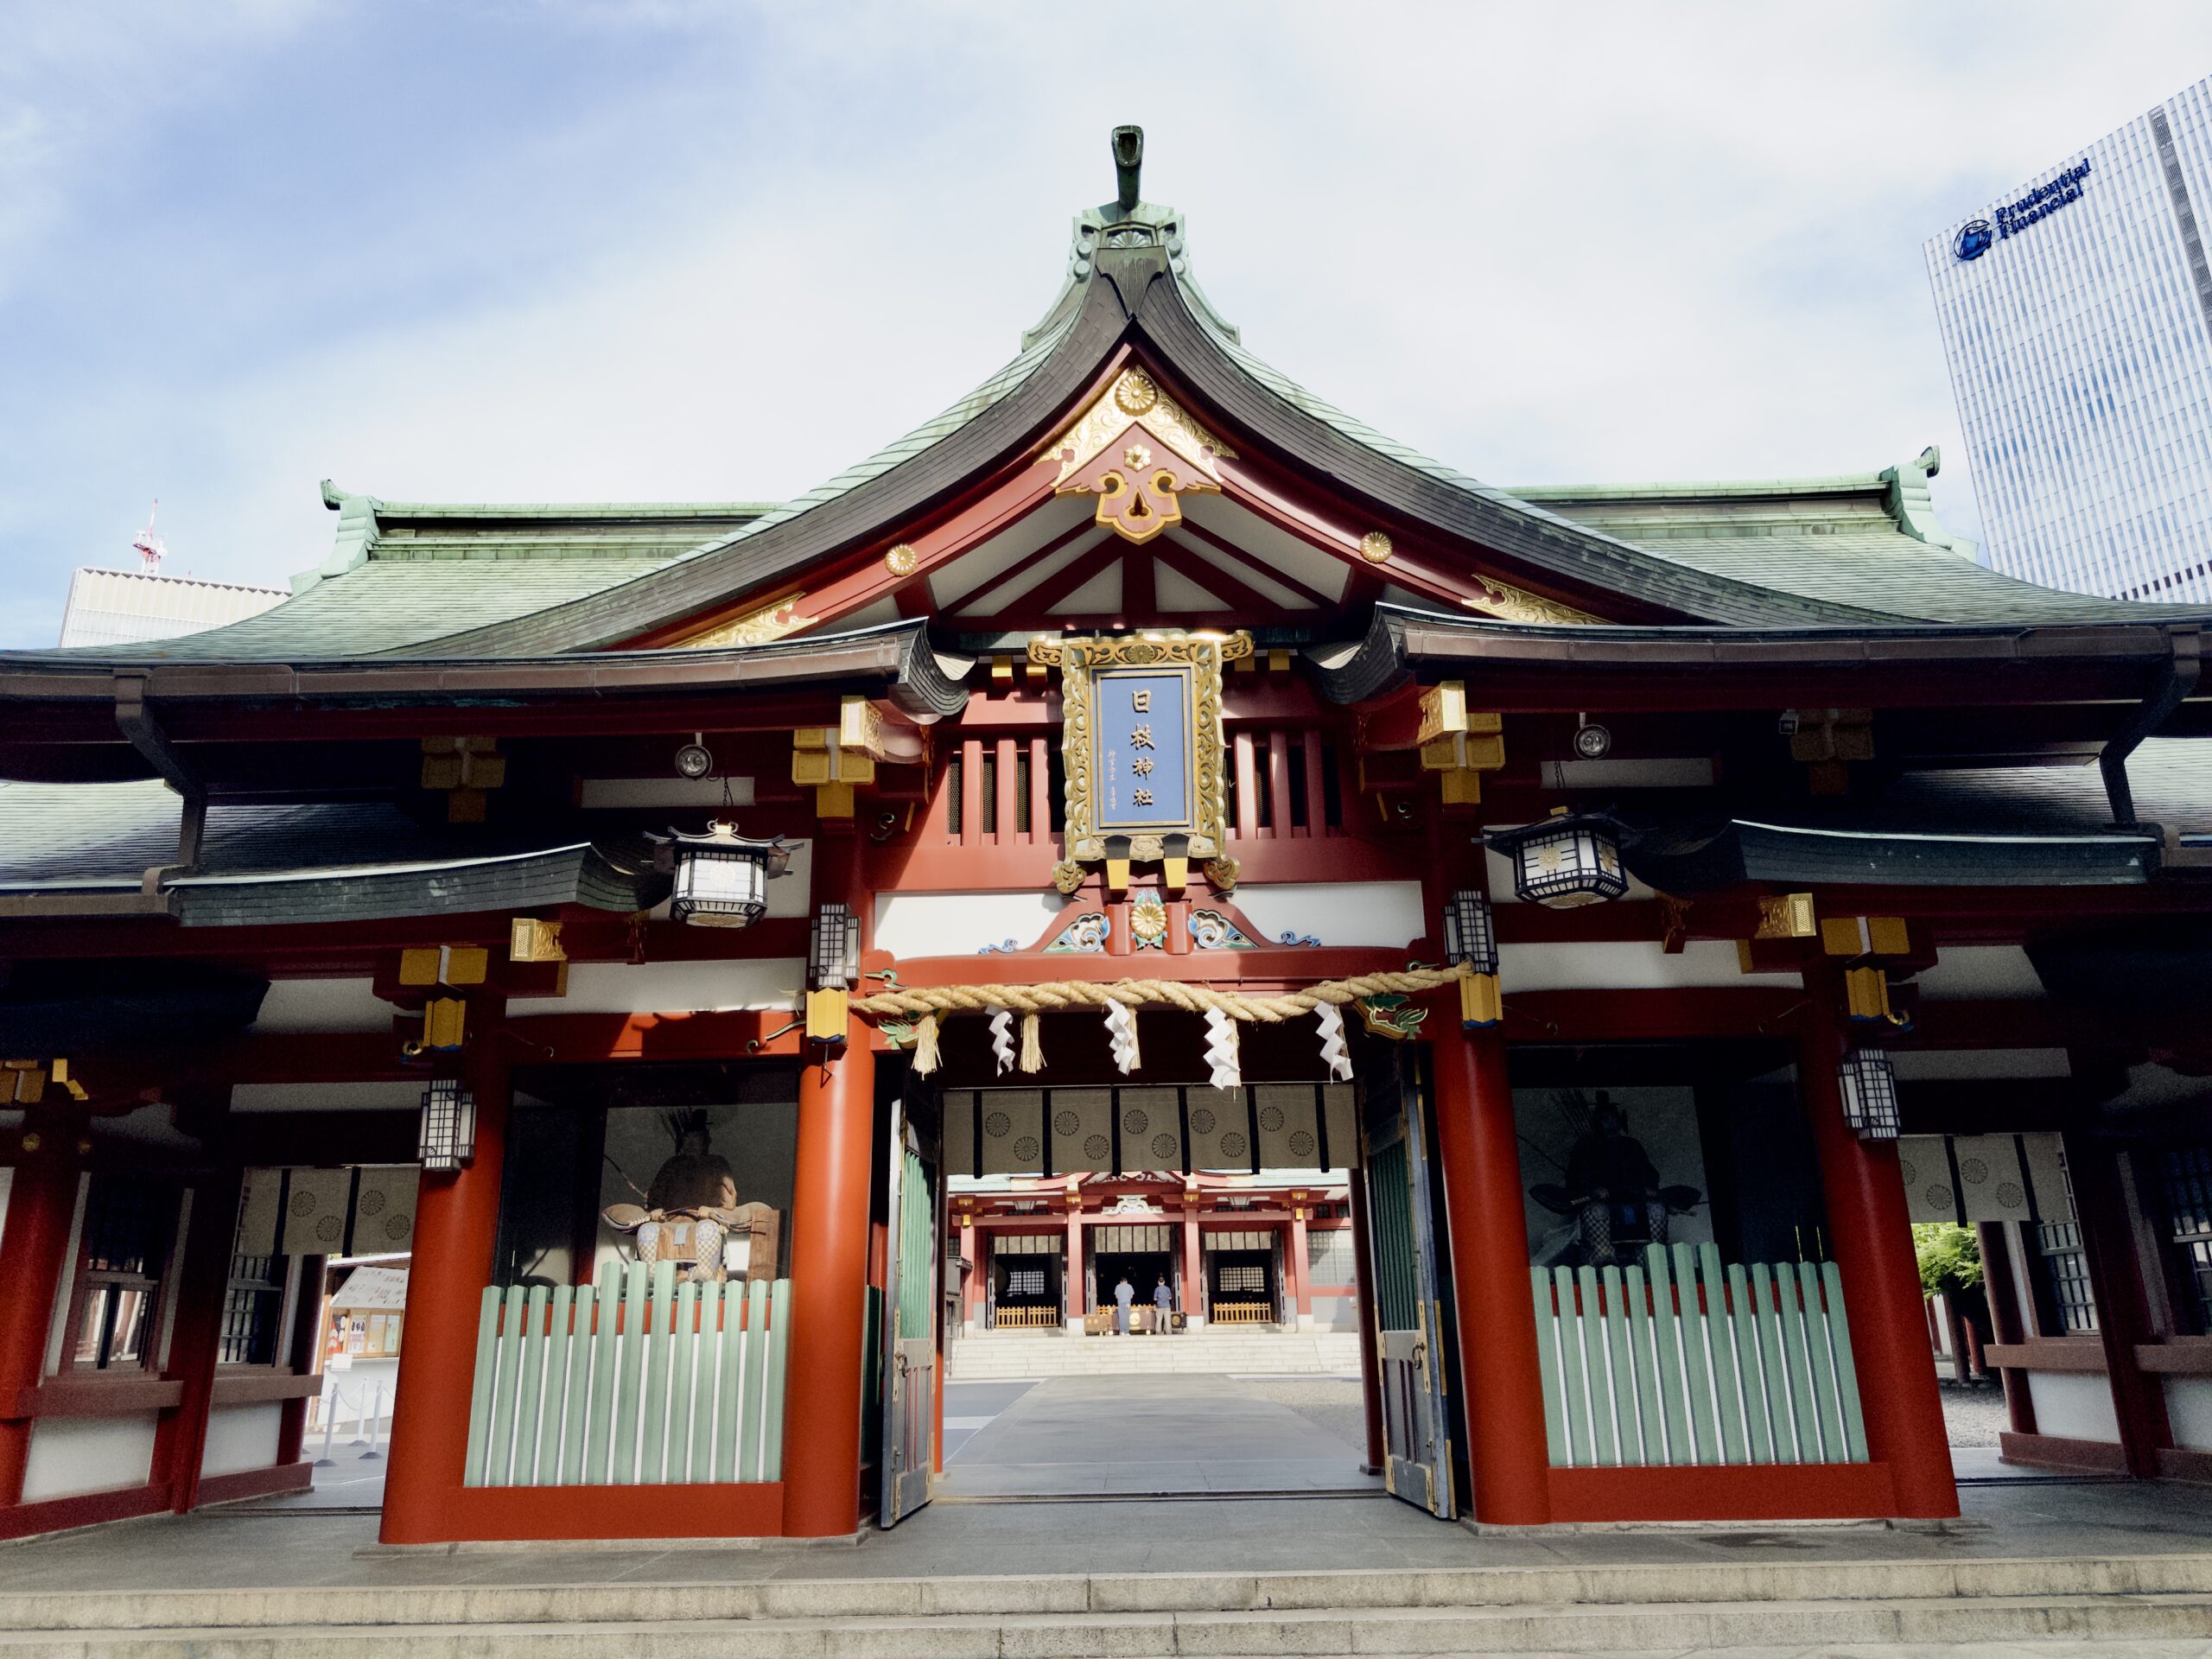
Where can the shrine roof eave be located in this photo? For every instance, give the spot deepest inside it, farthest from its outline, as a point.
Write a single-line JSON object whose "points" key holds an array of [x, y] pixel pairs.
{"points": [[894, 661], [1133, 302], [1794, 856], [1403, 645]]}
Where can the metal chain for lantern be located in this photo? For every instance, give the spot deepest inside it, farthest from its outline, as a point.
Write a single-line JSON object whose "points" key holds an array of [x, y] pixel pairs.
{"points": [[1334, 1055], [1224, 1066]]}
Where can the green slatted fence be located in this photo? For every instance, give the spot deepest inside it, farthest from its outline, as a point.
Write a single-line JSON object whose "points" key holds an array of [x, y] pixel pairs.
{"points": [[1676, 1361], [636, 1380]]}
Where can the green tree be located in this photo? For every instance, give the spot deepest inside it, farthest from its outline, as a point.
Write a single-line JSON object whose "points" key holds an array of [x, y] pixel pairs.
{"points": [[1950, 1257]]}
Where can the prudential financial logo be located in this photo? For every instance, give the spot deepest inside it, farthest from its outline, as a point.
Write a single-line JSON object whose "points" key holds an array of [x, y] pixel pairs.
{"points": [[1974, 239]]}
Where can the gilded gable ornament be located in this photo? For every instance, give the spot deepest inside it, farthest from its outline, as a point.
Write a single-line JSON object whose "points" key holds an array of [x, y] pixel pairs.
{"points": [[1138, 452], [1511, 604], [758, 627]]}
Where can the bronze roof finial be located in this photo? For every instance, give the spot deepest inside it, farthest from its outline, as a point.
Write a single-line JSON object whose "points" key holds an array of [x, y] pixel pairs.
{"points": [[1129, 163]]}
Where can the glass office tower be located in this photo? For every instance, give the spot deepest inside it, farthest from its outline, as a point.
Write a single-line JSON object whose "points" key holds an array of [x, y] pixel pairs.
{"points": [[2077, 316]]}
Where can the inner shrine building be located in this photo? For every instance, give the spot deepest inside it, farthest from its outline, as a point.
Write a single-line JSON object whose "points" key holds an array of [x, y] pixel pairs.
{"points": [[1143, 822]]}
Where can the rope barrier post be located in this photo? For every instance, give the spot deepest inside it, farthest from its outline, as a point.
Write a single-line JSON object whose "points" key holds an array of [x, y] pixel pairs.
{"points": [[329, 1401], [376, 1418]]}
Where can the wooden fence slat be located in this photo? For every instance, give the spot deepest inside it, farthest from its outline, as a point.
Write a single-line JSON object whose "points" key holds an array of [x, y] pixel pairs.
{"points": [[577, 1416], [1643, 1353], [1758, 1441], [1578, 1386], [730, 1394], [756, 1379], [622, 1468], [1803, 1414], [771, 1433], [499, 1465], [1623, 1368], [1816, 1352], [706, 1390], [1720, 1343], [529, 1401], [1540, 1285], [682, 1355], [1591, 1329], [653, 1454], [605, 1382], [479, 1386], [1666, 1324], [1774, 1363], [1698, 1382], [553, 1417], [1846, 1369]]}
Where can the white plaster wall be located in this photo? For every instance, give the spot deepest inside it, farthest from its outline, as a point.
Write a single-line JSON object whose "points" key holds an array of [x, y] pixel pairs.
{"points": [[87, 1454], [241, 1436], [961, 924], [1626, 965], [1335, 912], [2000, 972], [2074, 1405], [2189, 1411], [672, 987]]}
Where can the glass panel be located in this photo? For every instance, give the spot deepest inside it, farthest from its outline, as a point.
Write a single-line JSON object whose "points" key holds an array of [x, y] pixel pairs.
{"points": [[92, 1332]]}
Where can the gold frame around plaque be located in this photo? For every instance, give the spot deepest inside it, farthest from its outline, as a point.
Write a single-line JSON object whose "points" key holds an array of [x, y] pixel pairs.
{"points": [[1204, 653]]}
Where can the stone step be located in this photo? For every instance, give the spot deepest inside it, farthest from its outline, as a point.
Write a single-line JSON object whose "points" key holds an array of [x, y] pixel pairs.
{"points": [[1250, 1634], [2045, 1596]]}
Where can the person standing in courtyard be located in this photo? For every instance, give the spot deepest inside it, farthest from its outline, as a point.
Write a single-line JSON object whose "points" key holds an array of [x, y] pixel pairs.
{"points": [[1125, 1294], [1163, 1302]]}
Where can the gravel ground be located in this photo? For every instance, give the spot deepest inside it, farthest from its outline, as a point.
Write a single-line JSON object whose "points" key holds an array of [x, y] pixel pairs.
{"points": [[1974, 1415], [1327, 1402]]}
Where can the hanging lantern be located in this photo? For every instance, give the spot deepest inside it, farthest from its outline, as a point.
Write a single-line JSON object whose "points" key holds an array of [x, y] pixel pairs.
{"points": [[1569, 859], [833, 954], [1870, 1095], [721, 877], [1471, 936], [446, 1141]]}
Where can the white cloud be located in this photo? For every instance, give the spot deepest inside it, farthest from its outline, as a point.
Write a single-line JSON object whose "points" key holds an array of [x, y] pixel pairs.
{"points": [[663, 251]]}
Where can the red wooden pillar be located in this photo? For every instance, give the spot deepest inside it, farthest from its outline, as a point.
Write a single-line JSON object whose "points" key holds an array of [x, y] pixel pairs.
{"points": [[41, 1204], [1301, 1288], [829, 1280], [1078, 1298], [1488, 1249], [1872, 1237], [1194, 1268], [1371, 1372], [456, 1224], [195, 1339]]}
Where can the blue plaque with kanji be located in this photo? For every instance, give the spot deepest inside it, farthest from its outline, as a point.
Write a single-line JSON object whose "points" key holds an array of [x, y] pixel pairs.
{"points": [[1142, 726], [1141, 742]]}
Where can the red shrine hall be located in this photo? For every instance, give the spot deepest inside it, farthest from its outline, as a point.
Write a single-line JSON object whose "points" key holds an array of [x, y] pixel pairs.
{"points": [[1142, 824]]}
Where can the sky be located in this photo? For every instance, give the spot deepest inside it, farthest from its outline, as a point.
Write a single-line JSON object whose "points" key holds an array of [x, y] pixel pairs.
{"points": [[564, 251]]}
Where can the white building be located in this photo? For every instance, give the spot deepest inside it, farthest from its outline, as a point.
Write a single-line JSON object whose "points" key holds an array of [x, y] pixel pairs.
{"points": [[2077, 316], [114, 607]]}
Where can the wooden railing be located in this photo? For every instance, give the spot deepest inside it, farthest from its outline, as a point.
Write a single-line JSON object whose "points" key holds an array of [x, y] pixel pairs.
{"points": [[1025, 1318], [1242, 1313], [1675, 1362], [610, 1385]]}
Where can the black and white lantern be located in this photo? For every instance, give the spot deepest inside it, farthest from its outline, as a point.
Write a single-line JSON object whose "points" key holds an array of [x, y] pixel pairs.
{"points": [[834, 957], [1569, 859], [447, 1140], [721, 877], [1470, 933], [1870, 1094]]}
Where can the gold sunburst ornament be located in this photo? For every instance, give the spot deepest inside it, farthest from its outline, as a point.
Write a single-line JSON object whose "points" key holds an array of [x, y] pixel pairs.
{"points": [[1136, 454], [1375, 546], [902, 560]]}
